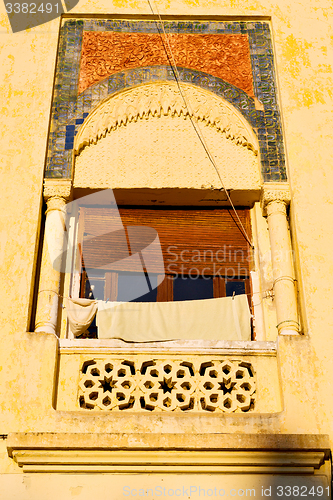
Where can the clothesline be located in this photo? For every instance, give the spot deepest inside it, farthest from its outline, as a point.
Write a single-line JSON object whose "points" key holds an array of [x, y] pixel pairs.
{"points": [[266, 294], [224, 318]]}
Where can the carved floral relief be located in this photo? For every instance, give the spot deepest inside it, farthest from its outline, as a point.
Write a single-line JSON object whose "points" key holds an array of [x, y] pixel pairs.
{"points": [[224, 56]]}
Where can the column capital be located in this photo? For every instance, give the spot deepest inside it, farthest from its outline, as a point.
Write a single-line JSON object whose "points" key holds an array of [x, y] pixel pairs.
{"points": [[274, 192], [58, 188]]}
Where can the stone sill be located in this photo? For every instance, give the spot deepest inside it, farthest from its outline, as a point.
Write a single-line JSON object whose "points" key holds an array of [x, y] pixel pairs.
{"points": [[172, 441], [223, 347]]}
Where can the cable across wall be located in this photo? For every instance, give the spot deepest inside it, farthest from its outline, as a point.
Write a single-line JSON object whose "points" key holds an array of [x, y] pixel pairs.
{"points": [[169, 54]]}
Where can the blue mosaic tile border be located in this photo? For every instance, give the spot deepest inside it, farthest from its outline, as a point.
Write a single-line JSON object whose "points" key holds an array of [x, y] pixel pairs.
{"points": [[69, 109]]}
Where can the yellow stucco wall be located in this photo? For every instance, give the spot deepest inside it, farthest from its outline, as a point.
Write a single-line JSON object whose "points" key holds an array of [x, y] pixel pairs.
{"points": [[28, 362]]}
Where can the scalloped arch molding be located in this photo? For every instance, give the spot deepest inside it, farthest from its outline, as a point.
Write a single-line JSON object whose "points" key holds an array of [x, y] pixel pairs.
{"points": [[154, 100], [143, 138]]}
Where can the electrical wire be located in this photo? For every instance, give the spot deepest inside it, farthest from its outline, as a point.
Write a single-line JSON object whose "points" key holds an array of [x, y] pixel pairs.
{"points": [[188, 107]]}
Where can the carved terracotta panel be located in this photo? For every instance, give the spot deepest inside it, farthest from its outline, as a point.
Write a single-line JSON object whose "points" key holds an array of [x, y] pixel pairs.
{"points": [[224, 56]]}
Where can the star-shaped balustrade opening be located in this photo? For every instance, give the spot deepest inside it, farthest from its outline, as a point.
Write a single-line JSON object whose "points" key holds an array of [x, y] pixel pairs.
{"points": [[167, 385], [108, 384], [226, 387]]}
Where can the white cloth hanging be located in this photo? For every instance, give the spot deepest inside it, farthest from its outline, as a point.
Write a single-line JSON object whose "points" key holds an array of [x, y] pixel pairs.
{"points": [[224, 318], [80, 314]]}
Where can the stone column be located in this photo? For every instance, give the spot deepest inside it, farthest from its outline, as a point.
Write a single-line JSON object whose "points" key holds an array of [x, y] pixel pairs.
{"points": [[275, 199], [56, 194]]}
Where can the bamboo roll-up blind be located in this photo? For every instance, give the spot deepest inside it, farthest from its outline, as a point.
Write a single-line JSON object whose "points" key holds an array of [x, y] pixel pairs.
{"points": [[197, 241]]}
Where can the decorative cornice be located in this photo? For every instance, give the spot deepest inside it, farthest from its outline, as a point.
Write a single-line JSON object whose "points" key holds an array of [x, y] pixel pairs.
{"points": [[162, 461], [271, 192], [200, 453], [156, 99], [58, 188]]}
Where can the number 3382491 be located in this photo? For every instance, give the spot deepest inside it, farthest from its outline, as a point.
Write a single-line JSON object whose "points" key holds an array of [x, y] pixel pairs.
{"points": [[31, 8]]}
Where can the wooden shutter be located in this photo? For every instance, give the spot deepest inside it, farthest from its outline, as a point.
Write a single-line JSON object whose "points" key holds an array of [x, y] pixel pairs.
{"points": [[205, 241], [104, 239]]}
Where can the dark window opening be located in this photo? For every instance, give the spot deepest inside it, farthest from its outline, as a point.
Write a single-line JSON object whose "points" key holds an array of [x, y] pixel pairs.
{"points": [[204, 251]]}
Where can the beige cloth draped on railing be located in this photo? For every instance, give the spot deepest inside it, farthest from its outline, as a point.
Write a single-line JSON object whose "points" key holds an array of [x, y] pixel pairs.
{"points": [[80, 313], [211, 319]]}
